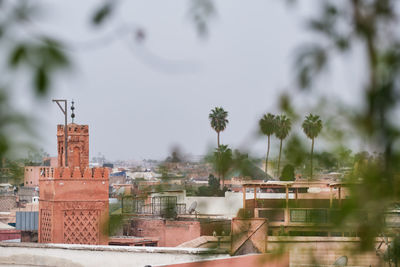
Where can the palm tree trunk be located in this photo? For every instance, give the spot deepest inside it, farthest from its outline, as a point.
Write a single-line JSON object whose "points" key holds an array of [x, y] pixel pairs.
{"points": [[266, 160], [219, 172], [312, 151], [279, 159]]}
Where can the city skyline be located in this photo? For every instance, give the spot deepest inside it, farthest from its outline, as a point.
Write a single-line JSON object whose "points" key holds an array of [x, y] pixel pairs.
{"points": [[151, 96]]}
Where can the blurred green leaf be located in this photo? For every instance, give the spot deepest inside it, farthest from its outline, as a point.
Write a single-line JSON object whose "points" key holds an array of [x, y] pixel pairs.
{"points": [[201, 12], [287, 173], [114, 225], [295, 151], [102, 13], [57, 56], [342, 43], [17, 55], [51, 54], [310, 62], [41, 81], [285, 104], [24, 10]]}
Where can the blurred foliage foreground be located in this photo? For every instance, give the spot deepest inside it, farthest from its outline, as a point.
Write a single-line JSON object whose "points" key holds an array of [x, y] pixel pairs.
{"points": [[369, 26], [341, 26], [30, 57]]}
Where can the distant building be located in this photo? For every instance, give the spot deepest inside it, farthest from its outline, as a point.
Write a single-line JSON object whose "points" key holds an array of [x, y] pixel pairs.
{"points": [[50, 161], [296, 208], [108, 165], [146, 175], [118, 177], [32, 173]]}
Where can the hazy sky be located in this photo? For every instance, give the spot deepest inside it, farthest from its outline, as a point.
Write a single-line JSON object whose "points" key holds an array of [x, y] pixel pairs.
{"points": [[141, 99]]}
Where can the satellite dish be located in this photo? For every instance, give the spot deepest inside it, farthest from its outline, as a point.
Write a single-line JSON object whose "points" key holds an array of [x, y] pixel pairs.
{"points": [[192, 207], [341, 261]]}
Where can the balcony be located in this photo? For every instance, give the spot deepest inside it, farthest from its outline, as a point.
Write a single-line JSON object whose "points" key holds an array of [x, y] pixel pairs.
{"points": [[293, 203], [165, 206]]}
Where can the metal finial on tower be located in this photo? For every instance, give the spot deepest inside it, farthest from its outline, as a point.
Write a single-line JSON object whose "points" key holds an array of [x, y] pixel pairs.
{"points": [[72, 111], [65, 112]]}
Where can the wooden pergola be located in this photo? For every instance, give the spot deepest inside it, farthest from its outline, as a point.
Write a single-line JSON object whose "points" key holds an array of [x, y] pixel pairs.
{"points": [[291, 185]]}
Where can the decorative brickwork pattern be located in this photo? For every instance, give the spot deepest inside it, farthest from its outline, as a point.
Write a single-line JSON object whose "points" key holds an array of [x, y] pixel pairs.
{"points": [[81, 227], [7, 202], [45, 226]]}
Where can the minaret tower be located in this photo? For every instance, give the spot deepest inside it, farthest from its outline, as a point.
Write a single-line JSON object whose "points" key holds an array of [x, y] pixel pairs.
{"points": [[73, 199]]}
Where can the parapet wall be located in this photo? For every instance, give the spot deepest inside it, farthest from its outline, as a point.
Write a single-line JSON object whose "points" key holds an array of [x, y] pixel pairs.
{"points": [[76, 172], [23, 254], [67, 184], [73, 205]]}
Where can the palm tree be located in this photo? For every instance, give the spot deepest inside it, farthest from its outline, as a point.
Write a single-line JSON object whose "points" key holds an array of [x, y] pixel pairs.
{"points": [[223, 161], [267, 127], [283, 126], [312, 126], [218, 120]]}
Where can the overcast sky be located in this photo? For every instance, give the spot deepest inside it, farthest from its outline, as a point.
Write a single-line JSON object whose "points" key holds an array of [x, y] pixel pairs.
{"points": [[139, 100]]}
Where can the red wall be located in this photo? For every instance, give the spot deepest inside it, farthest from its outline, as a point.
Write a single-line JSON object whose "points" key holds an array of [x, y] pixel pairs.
{"points": [[170, 233], [75, 195], [267, 260], [9, 234], [31, 176]]}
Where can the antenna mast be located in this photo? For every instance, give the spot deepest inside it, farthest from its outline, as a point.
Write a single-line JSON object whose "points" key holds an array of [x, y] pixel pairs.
{"points": [[65, 111]]}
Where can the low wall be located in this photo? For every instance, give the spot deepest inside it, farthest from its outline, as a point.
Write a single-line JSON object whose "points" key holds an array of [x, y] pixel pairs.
{"points": [[10, 234], [170, 233], [227, 206], [32, 254], [27, 193], [323, 250], [307, 251], [220, 227], [263, 260]]}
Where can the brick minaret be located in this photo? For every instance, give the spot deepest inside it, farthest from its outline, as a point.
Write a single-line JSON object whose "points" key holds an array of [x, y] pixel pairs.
{"points": [[78, 145], [73, 201]]}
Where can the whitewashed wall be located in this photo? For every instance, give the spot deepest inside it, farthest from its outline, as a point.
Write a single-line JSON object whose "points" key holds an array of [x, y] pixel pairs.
{"points": [[30, 254]]}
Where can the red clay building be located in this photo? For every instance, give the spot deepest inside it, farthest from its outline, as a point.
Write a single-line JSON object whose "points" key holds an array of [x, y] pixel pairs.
{"points": [[73, 201], [170, 233], [32, 173]]}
